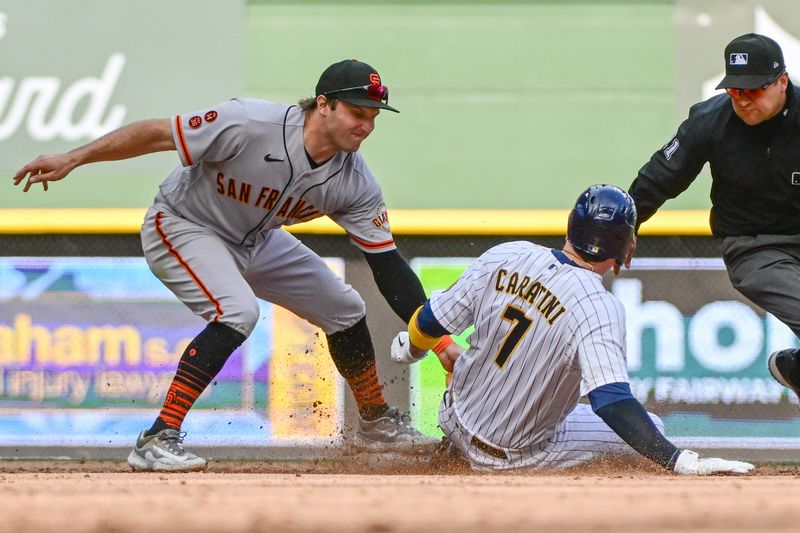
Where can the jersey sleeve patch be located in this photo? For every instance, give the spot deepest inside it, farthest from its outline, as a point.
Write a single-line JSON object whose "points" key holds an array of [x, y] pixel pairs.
{"points": [[213, 134]]}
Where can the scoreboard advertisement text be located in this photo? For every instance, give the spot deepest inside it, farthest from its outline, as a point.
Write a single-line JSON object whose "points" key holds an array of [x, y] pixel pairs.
{"points": [[89, 346]]}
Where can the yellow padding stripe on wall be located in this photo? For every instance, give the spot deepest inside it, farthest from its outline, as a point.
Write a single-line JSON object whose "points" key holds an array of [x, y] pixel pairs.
{"points": [[403, 221]]}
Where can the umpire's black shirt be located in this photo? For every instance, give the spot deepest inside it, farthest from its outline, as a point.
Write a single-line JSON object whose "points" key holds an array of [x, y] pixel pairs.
{"points": [[755, 169]]}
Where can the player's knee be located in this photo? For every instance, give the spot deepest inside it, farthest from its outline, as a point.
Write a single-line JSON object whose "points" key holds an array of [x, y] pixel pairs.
{"points": [[250, 315], [244, 318], [335, 312], [738, 284], [348, 311], [753, 284]]}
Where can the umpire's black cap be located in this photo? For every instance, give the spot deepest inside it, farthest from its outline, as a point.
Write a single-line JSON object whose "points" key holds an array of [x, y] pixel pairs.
{"points": [[751, 61], [356, 83]]}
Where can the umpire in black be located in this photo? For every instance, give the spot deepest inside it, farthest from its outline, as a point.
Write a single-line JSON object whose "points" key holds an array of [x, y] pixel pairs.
{"points": [[750, 136]]}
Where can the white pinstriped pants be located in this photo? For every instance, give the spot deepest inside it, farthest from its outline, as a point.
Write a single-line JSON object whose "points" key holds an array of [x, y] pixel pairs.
{"points": [[581, 437]]}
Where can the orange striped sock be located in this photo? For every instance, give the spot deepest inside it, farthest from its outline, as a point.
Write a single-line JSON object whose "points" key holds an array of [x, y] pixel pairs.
{"points": [[368, 393], [201, 361], [187, 385]]}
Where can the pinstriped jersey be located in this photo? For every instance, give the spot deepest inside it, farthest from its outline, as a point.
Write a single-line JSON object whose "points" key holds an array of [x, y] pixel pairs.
{"points": [[546, 332], [245, 171]]}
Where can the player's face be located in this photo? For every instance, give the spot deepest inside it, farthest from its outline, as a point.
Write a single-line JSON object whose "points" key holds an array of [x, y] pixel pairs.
{"points": [[758, 105], [349, 125]]}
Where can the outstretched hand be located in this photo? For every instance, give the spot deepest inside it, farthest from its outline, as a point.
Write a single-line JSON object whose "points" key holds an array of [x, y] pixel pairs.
{"points": [[690, 464], [44, 169]]}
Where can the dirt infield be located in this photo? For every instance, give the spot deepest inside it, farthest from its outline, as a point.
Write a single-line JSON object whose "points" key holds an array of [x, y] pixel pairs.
{"points": [[377, 497]]}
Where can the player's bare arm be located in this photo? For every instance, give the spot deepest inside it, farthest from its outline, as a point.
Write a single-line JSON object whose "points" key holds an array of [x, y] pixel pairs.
{"points": [[138, 138]]}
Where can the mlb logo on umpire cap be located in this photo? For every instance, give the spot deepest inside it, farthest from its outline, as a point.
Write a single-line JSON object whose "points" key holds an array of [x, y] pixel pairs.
{"points": [[751, 60], [739, 58]]}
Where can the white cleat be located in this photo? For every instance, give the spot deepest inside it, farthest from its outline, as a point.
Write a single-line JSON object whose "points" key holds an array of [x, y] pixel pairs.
{"points": [[163, 452], [392, 432]]}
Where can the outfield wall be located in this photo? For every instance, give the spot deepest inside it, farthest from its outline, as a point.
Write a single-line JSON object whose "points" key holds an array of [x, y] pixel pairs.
{"points": [[513, 105], [527, 96], [89, 341], [507, 112]]}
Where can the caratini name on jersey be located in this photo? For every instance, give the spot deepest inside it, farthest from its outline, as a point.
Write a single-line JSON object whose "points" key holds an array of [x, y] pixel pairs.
{"points": [[534, 293]]}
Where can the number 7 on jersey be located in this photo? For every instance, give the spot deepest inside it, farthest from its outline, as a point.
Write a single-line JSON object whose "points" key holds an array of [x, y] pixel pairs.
{"points": [[521, 324]]}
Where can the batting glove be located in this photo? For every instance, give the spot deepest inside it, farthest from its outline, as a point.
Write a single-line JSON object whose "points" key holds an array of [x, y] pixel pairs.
{"points": [[690, 464], [401, 349]]}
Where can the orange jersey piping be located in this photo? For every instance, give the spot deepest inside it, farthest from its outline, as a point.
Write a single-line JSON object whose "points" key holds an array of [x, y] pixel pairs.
{"points": [[184, 150], [372, 245]]}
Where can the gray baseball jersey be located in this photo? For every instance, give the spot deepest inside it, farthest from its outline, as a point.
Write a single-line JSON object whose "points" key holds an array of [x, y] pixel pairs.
{"points": [[546, 332], [245, 172]]}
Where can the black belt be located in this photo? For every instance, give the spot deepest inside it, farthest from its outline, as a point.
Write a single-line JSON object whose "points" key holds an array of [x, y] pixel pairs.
{"points": [[488, 449]]}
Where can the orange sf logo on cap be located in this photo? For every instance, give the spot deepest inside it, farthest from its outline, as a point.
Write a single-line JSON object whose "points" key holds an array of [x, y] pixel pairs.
{"points": [[374, 79]]}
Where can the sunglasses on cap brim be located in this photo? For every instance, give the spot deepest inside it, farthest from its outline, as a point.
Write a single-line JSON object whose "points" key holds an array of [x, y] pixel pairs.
{"points": [[752, 93], [379, 93]]}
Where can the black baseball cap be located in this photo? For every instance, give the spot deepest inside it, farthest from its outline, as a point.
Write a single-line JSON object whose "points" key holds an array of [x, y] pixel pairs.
{"points": [[356, 83], [751, 61]]}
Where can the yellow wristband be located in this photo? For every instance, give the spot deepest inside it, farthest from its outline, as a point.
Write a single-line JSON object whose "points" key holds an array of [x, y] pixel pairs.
{"points": [[417, 337]]}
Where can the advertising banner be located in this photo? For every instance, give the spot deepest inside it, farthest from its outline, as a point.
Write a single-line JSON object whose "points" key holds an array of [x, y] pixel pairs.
{"points": [[89, 346], [696, 352], [96, 65]]}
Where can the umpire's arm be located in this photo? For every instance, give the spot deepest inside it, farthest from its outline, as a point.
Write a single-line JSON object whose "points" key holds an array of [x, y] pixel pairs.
{"points": [[671, 169]]}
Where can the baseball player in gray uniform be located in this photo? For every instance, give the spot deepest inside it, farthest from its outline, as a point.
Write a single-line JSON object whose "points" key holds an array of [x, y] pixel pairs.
{"points": [[546, 333], [248, 167]]}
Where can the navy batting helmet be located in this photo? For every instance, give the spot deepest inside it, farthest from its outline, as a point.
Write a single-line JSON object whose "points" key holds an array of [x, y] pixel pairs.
{"points": [[602, 223]]}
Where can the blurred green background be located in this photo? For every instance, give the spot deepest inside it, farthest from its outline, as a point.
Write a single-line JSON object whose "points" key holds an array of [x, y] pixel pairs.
{"points": [[519, 104], [501, 105]]}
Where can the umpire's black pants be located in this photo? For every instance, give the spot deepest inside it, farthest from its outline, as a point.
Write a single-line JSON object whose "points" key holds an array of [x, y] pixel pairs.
{"points": [[766, 270]]}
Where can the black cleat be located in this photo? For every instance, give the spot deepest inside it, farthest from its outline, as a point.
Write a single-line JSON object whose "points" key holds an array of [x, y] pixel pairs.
{"points": [[784, 365]]}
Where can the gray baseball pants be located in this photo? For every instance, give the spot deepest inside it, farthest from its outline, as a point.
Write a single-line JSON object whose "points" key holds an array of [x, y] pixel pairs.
{"points": [[221, 281]]}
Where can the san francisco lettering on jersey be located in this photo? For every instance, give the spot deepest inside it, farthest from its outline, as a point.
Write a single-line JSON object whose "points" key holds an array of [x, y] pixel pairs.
{"points": [[536, 294], [241, 192]]}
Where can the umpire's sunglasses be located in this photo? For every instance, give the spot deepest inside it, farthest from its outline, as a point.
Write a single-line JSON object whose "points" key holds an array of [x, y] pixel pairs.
{"points": [[752, 93], [374, 92]]}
